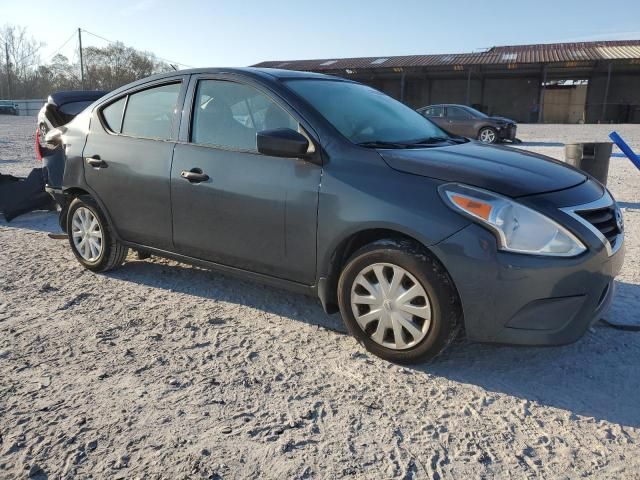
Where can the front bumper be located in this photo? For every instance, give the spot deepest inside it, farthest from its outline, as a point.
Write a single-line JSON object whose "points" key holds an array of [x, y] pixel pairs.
{"points": [[523, 299], [508, 132]]}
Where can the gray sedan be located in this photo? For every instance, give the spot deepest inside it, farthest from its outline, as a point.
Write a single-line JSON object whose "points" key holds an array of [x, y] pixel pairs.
{"points": [[329, 187], [471, 123]]}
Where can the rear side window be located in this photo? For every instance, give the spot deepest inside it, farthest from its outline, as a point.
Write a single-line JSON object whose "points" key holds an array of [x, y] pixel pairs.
{"points": [[74, 108], [433, 112], [112, 115], [150, 112], [229, 114]]}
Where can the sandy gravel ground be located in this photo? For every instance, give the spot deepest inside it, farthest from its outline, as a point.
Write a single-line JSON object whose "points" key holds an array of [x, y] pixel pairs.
{"points": [[162, 370]]}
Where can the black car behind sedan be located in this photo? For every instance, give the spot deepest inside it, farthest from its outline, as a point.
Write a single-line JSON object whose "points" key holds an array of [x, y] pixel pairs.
{"points": [[469, 122], [62, 107]]}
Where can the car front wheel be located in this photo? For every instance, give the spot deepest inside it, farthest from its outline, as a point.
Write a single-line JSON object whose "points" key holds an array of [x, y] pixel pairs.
{"points": [[399, 301], [488, 135], [91, 238]]}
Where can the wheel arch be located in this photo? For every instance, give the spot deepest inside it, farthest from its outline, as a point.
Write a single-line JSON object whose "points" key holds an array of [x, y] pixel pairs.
{"points": [[75, 191], [72, 192], [328, 281]]}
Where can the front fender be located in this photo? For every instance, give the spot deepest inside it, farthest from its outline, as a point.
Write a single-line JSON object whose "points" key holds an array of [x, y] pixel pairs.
{"points": [[355, 199]]}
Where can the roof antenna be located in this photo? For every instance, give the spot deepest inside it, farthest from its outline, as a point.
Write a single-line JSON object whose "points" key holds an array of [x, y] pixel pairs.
{"points": [[173, 66]]}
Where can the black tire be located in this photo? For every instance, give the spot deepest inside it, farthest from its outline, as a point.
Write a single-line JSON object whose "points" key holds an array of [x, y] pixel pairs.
{"points": [[488, 130], [446, 310], [62, 218], [113, 252]]}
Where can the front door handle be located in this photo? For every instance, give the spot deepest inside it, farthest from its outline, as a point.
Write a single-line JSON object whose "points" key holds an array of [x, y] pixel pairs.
{"points": [[96, 161], [195, 175]]}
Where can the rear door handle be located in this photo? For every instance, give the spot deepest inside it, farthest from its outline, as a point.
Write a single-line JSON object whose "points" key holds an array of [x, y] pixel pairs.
{"points": [[96, 161], [195, 175]]}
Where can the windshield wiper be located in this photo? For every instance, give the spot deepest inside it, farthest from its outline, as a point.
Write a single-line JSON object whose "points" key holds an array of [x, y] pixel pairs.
{"points": [[411, 144], [430, 140], [381, 144]]}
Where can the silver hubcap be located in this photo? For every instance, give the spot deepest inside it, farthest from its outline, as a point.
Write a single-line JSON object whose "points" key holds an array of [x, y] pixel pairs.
{"points": [[86, 234], [487, 136], [391, 306]]}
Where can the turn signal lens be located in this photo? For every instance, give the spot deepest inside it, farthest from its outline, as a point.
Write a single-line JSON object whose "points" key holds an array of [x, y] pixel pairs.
{"points": [[518, 229], [474, 207]]}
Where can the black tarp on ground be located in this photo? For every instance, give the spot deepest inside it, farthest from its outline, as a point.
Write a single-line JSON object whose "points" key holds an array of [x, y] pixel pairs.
{"points": [[20, 196], [4, 179]]}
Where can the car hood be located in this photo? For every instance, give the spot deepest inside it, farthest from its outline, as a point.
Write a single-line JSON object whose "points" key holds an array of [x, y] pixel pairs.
{"points": [[504, 170], [502, 119]]}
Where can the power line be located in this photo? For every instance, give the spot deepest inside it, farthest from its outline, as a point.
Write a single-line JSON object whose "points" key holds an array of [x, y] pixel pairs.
{"points": [[49, 57], [159, 58], [98, 36]]}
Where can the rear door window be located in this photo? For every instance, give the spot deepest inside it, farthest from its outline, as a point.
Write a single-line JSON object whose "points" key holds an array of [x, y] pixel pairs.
{"points": [[150, 112], [112, 115]]}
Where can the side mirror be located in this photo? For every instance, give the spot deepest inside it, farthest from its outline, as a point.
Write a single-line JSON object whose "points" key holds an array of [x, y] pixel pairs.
{"points": [[282, 142]]}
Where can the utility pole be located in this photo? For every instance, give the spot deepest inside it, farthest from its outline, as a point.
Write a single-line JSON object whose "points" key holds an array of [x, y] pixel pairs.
{"points": [[469, 87], [541, 94], [603, 116], [81, 62], [6, 52]]}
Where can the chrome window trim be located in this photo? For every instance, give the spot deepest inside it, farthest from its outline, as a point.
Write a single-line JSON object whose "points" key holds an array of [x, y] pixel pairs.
{"points": [[605, 201]]}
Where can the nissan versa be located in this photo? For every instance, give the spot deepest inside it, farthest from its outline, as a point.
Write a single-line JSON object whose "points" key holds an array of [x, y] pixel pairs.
{"points": [[326, 186]]}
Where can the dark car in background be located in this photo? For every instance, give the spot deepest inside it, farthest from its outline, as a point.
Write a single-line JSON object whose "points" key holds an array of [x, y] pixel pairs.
{"points": [[62, 107], [329, 187], [471, 123], [8, 107]]}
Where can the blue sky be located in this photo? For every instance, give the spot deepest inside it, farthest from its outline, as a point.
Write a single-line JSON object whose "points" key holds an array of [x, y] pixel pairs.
{"points": [[243, 32]]}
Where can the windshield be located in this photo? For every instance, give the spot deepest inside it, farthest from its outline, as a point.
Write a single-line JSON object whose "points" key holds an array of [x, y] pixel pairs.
{"points": [[365, 115], [74, 108], [476, 113]]}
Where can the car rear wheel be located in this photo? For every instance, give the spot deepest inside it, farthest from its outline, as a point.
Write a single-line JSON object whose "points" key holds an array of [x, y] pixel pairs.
{"points": [[91, 237], [398, 301], [488, 135]]}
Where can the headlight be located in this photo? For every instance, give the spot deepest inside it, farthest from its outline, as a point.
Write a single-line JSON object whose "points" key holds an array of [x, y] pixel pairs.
{"points": [[519, 229]]}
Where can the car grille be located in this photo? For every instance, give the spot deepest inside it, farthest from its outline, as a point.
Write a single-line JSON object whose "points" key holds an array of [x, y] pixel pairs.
{"points": [[604, 220]]}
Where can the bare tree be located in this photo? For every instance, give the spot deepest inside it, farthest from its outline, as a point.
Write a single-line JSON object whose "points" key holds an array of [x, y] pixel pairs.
{"points": [[115, 65], [106, 68], [21, 51]]}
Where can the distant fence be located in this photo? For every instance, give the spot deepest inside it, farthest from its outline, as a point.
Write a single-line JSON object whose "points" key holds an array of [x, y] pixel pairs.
{"points": [[29, 107]]}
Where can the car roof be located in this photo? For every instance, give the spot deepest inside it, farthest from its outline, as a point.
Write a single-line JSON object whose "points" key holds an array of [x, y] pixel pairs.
{"points": [[264, 73], [269, 74], [445, 105]]}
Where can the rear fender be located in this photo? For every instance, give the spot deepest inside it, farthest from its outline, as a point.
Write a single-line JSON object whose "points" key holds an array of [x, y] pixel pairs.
{"points": [[53, 166]]}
